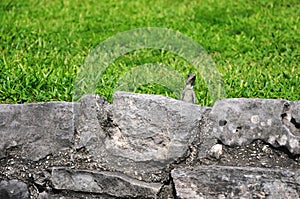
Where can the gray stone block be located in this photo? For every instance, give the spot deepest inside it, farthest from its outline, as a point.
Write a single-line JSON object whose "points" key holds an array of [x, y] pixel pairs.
{"points": [[13, 189], [103, 182], [235, 182], [240, 121], [145, 135], [38, 129]]}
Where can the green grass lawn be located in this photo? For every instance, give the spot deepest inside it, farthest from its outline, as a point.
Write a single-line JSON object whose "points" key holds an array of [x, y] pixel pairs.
{"points": [[255, 45]]}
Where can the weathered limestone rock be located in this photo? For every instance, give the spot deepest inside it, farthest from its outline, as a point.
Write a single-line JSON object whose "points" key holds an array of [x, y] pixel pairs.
{"points": [[127, 149], [93, 115], [38, 129], [295, 109], [13, 189], [146, 132], [235, 182], [104, 182], [240, 121]]}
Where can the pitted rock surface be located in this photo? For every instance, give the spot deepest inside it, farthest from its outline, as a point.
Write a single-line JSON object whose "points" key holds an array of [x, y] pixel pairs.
{"points": [[240, 121]]}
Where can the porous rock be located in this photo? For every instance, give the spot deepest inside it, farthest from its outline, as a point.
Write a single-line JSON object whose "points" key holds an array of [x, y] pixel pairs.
{"points": [[235, 182], [38, 129], [240, 121]]}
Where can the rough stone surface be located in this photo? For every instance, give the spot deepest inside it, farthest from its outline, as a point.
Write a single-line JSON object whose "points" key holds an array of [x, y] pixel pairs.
{"points": [[235, 182], [295, 111], [239, 121], [13, 189], [38, 129], [106, 183], [148, 132], [93, 115], [148, 146]]}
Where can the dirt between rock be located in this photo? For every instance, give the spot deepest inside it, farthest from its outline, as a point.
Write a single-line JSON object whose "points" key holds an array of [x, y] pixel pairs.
{"points": [[37, 174]]}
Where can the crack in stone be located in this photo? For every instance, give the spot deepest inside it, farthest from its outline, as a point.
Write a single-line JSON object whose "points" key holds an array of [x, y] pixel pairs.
{"points": [[296, 124], [289, 121]]}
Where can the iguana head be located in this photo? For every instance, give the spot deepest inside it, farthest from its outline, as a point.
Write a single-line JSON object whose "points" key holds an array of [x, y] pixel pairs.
{"points": [[191, 79]]}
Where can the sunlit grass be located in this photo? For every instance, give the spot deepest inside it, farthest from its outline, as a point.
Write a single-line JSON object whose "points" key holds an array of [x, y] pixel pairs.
{"points": [[255, 45]]}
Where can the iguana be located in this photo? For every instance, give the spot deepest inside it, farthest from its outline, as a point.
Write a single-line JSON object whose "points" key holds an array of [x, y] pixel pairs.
{"points": [[188, 94]]}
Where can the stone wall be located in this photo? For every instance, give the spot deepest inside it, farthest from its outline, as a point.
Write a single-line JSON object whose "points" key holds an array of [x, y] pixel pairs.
{"points": [[149, 146]]}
